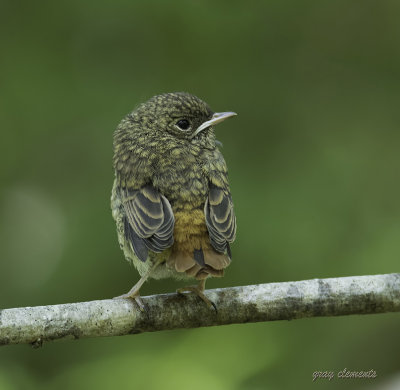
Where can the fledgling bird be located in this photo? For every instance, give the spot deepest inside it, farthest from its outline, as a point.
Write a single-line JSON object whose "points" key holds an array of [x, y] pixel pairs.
{"points": [[171, 199]]}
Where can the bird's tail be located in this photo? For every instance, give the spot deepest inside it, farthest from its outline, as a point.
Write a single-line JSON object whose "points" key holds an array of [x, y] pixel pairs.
{"points": [[199, 263]]}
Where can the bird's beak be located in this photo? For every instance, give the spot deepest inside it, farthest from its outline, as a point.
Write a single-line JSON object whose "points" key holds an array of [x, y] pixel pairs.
{"points": [[216, 118]]}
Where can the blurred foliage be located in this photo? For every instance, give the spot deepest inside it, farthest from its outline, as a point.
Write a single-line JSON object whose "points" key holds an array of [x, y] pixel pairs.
{"points": [[314, 170]]}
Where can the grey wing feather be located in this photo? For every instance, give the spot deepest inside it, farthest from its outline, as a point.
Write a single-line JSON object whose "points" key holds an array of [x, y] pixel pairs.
{"points": [[150, 217], [220, 219], [138, 244]]}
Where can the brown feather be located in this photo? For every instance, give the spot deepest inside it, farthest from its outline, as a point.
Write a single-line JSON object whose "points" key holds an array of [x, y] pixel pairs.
{"points": [[202, 274], [194, 270], [192, 251], [218, 273], [183, 261], [216, 260]]}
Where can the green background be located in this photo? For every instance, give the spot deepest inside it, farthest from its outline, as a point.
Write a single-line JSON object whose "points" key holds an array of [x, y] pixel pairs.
{"points": [[314, 170]]}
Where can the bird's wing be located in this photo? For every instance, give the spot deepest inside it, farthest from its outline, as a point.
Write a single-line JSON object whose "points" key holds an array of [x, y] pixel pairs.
{"points": [[220, 219], [149, 221]]}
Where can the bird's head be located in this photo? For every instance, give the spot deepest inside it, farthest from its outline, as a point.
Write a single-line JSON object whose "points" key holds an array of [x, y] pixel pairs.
{"points": [[179, 114]]}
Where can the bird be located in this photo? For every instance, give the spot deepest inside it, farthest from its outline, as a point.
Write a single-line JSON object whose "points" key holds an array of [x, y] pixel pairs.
{"points": [[171, 199]]}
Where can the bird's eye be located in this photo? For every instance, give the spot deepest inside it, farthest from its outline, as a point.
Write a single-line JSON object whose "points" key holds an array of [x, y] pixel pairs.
{"points": [[183, 124]]}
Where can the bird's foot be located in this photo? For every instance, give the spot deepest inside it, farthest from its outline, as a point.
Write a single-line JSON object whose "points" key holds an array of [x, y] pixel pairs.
{"points": [[134, 296], [199, 291]]}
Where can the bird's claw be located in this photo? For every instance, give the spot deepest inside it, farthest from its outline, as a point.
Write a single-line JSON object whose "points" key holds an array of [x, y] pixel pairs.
{"points": [[135, 297], [196, 290]]}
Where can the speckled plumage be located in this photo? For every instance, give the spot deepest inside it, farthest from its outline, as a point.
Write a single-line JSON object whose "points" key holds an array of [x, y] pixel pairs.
{"points": [[171, 199]]}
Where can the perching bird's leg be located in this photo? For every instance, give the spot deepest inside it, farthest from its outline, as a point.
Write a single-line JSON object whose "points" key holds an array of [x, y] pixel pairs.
{"points": [[199, 291], [133, 293]]}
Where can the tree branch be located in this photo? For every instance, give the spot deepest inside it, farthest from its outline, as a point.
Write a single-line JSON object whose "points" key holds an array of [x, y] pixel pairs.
{"points": [[263, 302]]}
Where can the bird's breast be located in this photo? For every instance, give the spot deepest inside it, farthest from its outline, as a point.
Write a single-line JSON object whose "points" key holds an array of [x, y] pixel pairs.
{"points": [[183, 182]]}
